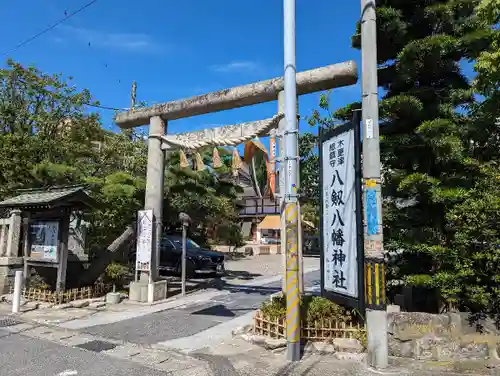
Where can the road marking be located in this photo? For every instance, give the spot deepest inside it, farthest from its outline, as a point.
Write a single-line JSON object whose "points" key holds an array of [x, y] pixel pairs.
{"points": [[69, 372]]}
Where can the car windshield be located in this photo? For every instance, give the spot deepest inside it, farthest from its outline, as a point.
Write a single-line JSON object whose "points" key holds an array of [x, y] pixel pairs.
{"points": [[192, 244], [178, 243]]}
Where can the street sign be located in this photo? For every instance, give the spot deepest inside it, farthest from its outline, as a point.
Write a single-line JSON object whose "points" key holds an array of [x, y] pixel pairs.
{"points": [[144, 240], [341, 222]]}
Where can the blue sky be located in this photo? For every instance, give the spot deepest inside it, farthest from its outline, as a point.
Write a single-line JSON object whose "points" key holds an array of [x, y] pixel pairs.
{"points": [[177, 49]]}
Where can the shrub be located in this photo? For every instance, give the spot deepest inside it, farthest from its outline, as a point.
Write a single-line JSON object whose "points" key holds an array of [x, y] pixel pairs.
{"points": [[316, 308], [312, 308], [115, 274]]}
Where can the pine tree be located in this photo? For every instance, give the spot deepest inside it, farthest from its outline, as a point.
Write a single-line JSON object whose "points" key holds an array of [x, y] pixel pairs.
{"points": [[430, 167]]}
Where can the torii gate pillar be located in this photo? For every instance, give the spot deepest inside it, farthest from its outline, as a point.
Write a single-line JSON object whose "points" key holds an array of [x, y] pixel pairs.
{"points": [[149, 288]]}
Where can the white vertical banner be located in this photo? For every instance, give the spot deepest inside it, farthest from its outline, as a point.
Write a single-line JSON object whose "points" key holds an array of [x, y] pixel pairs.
{"points": [[144, 240], [339, 215]]}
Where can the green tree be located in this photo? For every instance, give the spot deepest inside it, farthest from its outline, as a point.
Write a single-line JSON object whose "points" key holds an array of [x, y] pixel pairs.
{"points": [[431, 155], [208, 197], [48, 138]]}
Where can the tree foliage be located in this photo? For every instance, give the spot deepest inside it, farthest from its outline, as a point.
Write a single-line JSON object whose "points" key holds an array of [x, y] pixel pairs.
{"points": [[439, 147], [208, 197], [48, 137]]}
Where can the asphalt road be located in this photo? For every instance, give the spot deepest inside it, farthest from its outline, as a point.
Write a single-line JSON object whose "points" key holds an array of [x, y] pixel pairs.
{"points": [[190, 320], [25, 356]]}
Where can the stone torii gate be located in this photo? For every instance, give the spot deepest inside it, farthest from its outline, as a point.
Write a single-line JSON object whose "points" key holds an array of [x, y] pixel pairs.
{"points": [[148, 288]]}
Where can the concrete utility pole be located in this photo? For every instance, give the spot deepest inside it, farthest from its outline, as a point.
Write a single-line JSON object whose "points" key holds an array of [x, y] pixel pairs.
{"points": [[291, 205], [133, 95], [376, 311]]}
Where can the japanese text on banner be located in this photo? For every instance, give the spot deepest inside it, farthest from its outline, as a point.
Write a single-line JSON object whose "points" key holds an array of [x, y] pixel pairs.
{"points": [[339, 219]]}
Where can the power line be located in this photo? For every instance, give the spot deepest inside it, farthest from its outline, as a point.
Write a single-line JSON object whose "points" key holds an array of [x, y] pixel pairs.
{"points": [[51, 27], [106, 107]]}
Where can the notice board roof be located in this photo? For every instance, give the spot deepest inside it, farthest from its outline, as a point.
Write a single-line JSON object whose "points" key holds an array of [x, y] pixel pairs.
{"points": [[66, 196]]}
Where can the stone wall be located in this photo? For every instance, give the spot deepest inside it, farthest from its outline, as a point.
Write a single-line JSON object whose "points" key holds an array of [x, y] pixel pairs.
{"points": [[8, 267], [441, 337]]}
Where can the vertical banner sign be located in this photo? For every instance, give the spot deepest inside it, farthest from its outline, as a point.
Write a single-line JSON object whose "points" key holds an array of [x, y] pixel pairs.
{"points": [[272, 177], [342, 253], [371, 211], [144, 240]]}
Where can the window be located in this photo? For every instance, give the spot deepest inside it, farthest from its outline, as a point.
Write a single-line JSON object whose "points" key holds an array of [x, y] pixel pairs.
{"points": [[167, 245], [177, 241]]}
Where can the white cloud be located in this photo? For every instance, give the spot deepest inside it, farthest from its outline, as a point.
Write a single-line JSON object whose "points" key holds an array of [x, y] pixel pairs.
{"points": [[237, 67], [128, 42]]}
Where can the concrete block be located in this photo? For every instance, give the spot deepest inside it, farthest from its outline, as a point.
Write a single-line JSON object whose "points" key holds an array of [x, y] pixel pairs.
{"points": [[391, 308], [46, 305], [97, 305], [151, 357], [79, 303], [347, 345], [319, 348], [75, 340], [138, 291], [266, 342], [62, 306], [360, 358], [242, 330], [124, 351], [113, 297]]}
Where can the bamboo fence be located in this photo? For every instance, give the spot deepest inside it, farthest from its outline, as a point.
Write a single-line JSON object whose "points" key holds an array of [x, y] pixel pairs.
{"points": [[324, 330], [48, 296]]}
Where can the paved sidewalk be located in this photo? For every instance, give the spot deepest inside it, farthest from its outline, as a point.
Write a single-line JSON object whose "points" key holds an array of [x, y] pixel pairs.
{"points": [[223, 357], [237, 357], [247, 272], [165, 360]]}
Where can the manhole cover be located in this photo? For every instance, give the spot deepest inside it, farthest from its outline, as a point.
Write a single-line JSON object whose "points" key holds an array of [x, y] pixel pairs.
{"points": [[8, 321], [97, 346]]}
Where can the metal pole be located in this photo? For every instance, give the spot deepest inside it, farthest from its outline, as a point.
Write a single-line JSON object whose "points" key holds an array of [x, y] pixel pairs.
{"points": [[291, 207], [184, 246], [18, 284], [281, 149], [376, 313], [185, 219], [297, 189]]}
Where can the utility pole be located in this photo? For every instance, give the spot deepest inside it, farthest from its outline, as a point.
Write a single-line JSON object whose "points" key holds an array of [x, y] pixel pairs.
{"points": [[133, 95], [281, 149], [291, 171], [376, 310]]}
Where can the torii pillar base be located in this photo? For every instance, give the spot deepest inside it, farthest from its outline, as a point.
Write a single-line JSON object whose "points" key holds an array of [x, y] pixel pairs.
{"points": [[143, 292]]}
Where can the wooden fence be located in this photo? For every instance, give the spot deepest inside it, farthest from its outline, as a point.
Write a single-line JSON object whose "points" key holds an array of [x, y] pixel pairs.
{"points": [[318, 331], [47, 296]]}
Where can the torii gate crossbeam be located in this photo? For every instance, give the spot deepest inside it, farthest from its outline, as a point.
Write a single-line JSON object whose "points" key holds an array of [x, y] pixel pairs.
{"points": [[310, 81]]}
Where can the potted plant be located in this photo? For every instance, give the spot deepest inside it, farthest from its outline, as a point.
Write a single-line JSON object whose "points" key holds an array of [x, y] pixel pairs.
{"points": [[114, 274]]}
